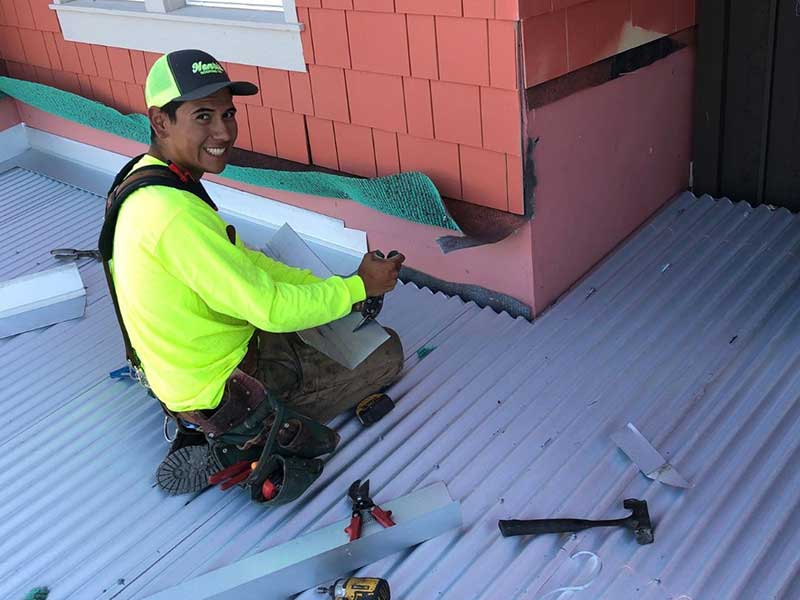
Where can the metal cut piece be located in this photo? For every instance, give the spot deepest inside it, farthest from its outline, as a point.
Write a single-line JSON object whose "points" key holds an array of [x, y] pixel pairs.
{"points": [[648, 459], [323, 555], [337, 340]]}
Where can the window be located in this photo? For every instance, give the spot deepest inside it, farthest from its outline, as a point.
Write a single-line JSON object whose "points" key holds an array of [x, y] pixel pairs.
{"points": [[254, 32]]}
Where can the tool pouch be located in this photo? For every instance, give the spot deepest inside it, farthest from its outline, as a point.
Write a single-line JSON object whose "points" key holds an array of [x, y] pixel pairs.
{"points": [[289, 455], [293, 475], [285, 443], [304, 437]]}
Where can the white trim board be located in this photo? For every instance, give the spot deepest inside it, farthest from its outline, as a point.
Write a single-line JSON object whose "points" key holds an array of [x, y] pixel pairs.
{"points": [[101, 165], [250, 37]]}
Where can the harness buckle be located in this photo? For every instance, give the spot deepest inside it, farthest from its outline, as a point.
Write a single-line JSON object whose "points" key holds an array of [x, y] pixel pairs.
{"points": [[138, 375], [167, 436]]}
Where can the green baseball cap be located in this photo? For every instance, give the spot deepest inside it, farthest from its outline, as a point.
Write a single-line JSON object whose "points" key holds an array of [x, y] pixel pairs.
{"points": [[189, 75]]}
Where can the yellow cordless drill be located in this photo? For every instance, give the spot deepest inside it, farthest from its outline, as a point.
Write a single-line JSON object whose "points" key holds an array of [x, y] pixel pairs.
{"points": [[358, 588]]}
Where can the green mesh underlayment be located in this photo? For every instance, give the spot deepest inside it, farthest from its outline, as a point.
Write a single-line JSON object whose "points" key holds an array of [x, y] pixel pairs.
{"points": [[424, 351], [410, 196], [40, 593]]}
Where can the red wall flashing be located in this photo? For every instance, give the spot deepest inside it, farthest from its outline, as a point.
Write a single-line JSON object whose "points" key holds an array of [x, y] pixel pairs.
{"points": [[477, 266], [9, 115]]}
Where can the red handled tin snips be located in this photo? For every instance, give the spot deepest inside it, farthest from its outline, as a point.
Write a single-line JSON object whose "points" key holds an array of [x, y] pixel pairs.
{"points": [[359, 496]]}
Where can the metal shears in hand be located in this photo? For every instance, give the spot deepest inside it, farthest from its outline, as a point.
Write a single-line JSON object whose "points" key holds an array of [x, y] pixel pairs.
{"points": [[73, 254], [372, 306]]}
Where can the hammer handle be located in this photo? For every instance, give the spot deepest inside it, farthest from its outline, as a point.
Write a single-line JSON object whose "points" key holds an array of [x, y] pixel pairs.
{"points": [[540, 526]]}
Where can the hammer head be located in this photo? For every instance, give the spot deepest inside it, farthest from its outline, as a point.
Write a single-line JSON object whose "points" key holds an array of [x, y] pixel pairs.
{"points": [[640, 520]]}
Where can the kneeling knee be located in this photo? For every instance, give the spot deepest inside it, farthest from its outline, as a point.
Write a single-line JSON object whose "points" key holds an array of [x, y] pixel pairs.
{"points": [[394, 354]]}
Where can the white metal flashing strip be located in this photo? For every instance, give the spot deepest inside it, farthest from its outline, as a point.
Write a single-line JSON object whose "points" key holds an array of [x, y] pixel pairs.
{"points": [[40, 299], [348, 340], [258, 210], [13, 142], [322, 229], [323, 555]]}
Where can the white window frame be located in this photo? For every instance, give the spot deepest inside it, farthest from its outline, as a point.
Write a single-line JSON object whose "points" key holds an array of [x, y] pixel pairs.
{"points": [[264, 38]]}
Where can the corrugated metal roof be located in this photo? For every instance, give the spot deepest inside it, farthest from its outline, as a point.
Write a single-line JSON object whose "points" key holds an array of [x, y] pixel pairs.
{"points": [[690, 330], [39, 214]]}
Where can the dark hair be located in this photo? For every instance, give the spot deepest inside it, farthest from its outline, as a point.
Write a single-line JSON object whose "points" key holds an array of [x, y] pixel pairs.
{"points": [[170, 109]]}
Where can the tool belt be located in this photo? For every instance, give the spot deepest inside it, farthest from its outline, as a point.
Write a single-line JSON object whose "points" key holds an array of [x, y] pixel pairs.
{"points": [[241, 397], [284, 445]]}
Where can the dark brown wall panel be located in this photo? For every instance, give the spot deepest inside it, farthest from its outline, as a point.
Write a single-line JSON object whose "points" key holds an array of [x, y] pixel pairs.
{"points": [[746, 112], [712, 36], [783, 150]]}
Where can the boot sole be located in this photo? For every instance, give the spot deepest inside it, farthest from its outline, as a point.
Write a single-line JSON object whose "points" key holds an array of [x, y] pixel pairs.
{"points": [[185, 471]]}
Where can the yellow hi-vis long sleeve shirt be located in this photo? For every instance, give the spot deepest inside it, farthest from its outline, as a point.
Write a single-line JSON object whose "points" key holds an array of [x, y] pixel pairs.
{"points": [[191, 300]]}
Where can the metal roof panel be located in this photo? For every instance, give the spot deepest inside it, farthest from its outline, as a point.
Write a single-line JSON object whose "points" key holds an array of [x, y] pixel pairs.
{"points": [[689, 330]]}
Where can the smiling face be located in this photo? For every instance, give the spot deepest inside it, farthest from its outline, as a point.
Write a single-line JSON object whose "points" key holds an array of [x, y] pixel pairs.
{"points": [[202, 135]]}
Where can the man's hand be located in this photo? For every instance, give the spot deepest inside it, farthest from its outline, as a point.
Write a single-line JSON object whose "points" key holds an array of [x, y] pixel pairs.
{"points": [[380, 274]]}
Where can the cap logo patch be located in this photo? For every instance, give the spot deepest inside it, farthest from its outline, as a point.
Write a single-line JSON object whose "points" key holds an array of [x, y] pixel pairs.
{"points": [[206, 68]]}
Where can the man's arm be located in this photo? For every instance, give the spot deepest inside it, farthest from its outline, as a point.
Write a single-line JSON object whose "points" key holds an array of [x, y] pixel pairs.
{"points": [[277, 270], [195, 249]]}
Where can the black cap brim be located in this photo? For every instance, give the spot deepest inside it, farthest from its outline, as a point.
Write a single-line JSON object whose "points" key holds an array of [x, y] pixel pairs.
{"points": [[238, 88]]}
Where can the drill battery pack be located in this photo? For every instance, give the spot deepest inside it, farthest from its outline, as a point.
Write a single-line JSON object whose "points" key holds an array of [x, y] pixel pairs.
{"points": [[373, 408]]}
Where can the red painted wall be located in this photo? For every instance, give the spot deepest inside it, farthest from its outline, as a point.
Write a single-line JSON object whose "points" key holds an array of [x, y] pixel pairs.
{"points": [[607, 158], [9, 116], [392, 85]]}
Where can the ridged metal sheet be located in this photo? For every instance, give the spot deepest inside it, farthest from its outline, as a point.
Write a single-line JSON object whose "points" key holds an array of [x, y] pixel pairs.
{"points": [[691, 330], [44, 368]]}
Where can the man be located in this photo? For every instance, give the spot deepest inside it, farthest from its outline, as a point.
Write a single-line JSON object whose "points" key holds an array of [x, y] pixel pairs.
{"points": [[199, 306]]}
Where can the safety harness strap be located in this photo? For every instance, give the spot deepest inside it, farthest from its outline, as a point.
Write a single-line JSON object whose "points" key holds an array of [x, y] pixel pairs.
{"points": [[123, 186]]}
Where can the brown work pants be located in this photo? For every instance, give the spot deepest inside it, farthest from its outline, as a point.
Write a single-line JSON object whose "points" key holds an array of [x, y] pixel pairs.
{"points": [[317, 386], [301, 378]]}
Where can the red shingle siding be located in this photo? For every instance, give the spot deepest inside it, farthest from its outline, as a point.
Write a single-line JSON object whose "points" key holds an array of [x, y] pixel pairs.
{"points": [[387, 157], [355, 149], [564, 35], [484, 177], [463, 46], [262, 133], [392, 85], [378, 42], [322, 142], [274, 87]]}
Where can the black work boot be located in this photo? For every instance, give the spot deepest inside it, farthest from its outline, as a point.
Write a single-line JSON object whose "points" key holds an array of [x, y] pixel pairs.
{"points": [[187, 466], [187, 437]]}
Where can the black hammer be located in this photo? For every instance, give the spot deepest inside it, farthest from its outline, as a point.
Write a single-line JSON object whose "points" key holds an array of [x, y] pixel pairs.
{"points": [[638, 521]]}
